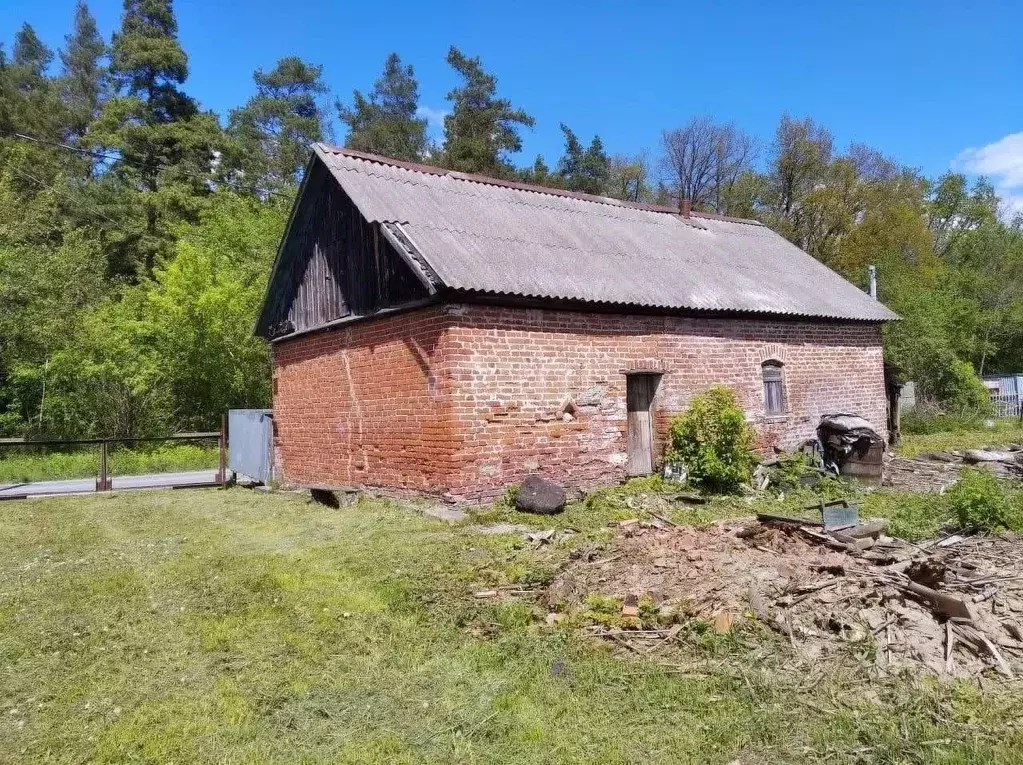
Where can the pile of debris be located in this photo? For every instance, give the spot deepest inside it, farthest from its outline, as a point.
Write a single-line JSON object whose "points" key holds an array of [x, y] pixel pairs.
{"points": [[936, 471], [845, 444], [951, 606]]}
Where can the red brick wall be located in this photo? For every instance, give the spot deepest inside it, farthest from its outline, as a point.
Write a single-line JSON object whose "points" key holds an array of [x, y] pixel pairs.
{"points": [[502, 378], [366, 405]]}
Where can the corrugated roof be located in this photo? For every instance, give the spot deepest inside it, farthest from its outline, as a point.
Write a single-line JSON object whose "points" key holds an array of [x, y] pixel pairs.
{"points": [[487, 236]]}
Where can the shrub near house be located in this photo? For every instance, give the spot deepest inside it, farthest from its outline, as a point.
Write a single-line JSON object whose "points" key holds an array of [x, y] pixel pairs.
{"points": [[714, 441]]}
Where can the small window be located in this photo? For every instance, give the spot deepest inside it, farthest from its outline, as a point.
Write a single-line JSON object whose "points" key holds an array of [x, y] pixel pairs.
{"points": [[774, 388]]}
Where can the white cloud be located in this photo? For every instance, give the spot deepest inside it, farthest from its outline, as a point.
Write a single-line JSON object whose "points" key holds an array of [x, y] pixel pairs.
{"points": [[1002, 163], [435, 117], [1012, 204]]}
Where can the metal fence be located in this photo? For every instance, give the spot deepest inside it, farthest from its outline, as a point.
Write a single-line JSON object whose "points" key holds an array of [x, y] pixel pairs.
{"points": [[103, 478], [1007, 405]]}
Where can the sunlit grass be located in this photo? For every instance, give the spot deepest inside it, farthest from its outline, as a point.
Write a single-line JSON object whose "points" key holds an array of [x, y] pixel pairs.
{"points": [[1001, 433], [225, 626], [40, 465]]}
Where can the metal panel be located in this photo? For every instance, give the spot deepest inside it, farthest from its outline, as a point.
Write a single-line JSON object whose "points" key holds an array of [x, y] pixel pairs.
{"points": [[494, 237], [250, 443]]}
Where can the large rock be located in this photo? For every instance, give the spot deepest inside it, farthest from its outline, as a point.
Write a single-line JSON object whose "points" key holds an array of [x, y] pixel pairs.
{"points": [[538, 495]]}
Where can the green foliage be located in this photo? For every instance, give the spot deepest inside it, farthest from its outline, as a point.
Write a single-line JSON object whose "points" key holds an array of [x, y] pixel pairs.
{"points": [[148, 61], [979, 501], [93, 250], [481, 129], [85, 80], [713, 440], [171, 353], [628, 178], [166, 146], [386, 122], [586, 170], [49, 466], [272, 132]]}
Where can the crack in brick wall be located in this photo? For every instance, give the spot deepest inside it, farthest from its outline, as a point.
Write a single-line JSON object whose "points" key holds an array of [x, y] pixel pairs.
{"points": [[464, 400]]}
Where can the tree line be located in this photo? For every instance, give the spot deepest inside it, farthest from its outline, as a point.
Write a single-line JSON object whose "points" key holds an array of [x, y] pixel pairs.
{"points": [[137, 229]]}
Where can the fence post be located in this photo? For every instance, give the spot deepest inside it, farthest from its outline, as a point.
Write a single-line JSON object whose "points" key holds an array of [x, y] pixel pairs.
{"points": [[222, 473], [104, 483]]}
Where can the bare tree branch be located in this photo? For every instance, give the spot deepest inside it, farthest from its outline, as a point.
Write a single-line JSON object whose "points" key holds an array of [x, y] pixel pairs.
{"points": [[702, 161]]}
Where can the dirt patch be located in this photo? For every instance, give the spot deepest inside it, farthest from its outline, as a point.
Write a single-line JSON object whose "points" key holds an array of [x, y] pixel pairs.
{"points": [[826, 602], [923, 475]]}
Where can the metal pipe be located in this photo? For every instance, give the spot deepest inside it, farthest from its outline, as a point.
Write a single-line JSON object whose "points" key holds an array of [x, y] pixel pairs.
{"points": [[95, 441], [872, 273]]}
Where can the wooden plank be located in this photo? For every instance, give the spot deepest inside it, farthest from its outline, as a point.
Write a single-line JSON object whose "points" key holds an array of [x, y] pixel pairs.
{"points": [[639, 405]]}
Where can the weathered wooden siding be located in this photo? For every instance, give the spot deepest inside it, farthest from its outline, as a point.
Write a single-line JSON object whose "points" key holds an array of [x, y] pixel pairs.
{"points": [[334, 264]]}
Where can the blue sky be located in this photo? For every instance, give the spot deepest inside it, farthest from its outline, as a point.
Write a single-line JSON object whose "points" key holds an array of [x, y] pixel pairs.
{"points": [[933, 84]]}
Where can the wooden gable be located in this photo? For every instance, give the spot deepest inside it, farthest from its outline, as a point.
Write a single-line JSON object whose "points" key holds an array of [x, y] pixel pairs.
{"points": [[333, 264]]}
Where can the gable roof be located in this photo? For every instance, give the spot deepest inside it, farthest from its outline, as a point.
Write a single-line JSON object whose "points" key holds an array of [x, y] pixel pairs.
{"points": [[483, 235]]}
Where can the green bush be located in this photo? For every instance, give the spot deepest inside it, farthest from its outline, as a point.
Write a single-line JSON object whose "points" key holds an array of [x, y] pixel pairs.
{"points": [[979, 501], [714, 441]]}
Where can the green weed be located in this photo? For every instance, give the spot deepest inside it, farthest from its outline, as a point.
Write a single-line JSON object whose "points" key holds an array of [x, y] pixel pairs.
{"points": [[230, 627], [84, 463]]}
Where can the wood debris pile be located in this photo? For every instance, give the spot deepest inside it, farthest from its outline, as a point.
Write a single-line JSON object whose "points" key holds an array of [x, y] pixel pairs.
{"points": [[936, 471], [951, 606]]}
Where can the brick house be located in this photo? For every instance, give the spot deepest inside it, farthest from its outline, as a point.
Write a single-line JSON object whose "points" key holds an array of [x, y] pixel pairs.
{"points": [[438, 332]]}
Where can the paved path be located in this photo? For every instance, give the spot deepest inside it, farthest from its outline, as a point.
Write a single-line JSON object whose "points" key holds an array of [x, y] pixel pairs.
{"points": [[79, 486]]}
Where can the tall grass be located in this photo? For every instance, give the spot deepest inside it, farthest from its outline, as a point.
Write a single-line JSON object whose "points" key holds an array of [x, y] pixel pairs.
{"points": [[84, 463]]}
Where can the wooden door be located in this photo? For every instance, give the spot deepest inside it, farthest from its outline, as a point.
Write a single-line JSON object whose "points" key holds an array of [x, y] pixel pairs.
{"points": [[639, 403]]}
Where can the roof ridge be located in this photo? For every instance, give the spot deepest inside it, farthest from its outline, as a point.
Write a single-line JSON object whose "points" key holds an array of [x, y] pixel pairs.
{"points": [[522, 186]]}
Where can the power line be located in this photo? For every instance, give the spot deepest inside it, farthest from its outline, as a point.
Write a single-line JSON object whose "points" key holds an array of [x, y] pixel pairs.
{"points": [[142, 164], [43, 185]]}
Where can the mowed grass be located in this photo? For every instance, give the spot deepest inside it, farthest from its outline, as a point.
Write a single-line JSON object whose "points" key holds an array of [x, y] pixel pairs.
{"points": [[228, 626], [1002, 432], [24, 464]]}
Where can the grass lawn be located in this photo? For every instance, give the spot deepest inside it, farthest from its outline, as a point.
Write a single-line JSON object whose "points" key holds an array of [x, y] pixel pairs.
{"points": [[1002, 433], [22, 465], [228, 626]]}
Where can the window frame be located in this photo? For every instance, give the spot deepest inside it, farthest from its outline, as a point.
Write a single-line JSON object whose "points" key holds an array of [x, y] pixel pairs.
{"points": [[772, 373]]}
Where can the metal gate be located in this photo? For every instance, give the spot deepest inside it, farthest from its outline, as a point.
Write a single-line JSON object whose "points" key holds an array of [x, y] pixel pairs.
{"points": [[250, 443]]}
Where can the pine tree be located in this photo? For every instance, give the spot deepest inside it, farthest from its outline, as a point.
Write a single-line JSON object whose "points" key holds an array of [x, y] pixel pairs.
{"points": [[85, 78], [149, 63], [586, 170], [6, 94], [33, 105], [481, 129], [539, 174], [31, 56], [272, 132], [165, 145], [385, 122]]}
